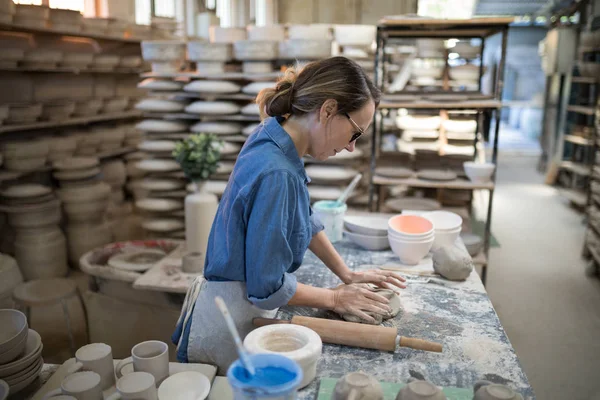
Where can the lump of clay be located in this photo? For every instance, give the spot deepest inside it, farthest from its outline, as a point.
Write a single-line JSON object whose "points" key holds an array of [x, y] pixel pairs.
{"points": [[359, 386], [394, 304], [452, 262]]}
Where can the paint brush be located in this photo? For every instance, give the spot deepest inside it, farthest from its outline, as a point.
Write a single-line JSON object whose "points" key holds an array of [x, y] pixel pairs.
{"points": [[342, 199], [236, 337]]}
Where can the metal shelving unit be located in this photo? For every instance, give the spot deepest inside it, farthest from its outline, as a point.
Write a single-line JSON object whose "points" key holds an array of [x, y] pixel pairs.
{"points": [[390, 29]]}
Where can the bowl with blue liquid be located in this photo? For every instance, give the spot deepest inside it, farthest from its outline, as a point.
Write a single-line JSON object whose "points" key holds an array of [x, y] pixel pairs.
{"points": [[276, 378]]}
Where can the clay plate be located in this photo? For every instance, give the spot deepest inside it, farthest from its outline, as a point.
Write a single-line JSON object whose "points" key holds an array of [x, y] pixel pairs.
{"points": [[25, 191], [412, 203], [436, 175], [394, 172], [140, 260]]}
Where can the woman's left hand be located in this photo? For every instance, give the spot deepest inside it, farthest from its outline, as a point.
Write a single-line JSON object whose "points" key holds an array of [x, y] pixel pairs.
{"points": [[378, 277]]}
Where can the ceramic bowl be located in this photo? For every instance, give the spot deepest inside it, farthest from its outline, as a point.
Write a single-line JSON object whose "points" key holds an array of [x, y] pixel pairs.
{"points": [[479, 172], [368, 242], [370, 226], [410, 238], [247, 50], [31, 354], [4, 389], [163, 50], [257, 67], [410, 252], [14, 331], [158, 105], [410, 225], [444, 221], [446, 238], [359, 384], [420, 390], [472, 242], [205, 51], [467, 72], [183, 386]]}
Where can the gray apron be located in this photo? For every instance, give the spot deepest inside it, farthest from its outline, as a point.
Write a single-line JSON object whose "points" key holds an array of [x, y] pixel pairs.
{"points": [[210, 341]]}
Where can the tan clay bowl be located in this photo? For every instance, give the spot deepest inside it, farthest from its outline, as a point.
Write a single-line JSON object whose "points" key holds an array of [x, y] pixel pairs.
{"points": [[14, 330], [35, 219], [95, 191]]}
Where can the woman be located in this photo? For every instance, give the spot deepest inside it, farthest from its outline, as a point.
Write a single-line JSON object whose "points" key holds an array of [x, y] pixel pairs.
{"points": [[264, 222]]}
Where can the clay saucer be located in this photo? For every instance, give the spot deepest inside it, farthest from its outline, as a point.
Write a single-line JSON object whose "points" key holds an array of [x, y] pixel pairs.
{"points": [[26, 191], [412, 203], [158, 205], [330, 174], [163, 225], [157, 184], [139, 260], [436, 175], [76, 163], [157, 165], [157, 146], [394, 172]]}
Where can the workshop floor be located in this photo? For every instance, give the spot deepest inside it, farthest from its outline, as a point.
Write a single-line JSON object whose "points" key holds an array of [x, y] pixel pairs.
{"points": [[548, 306]]}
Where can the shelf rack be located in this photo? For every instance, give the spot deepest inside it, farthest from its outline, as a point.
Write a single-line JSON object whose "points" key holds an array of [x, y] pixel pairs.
{"points": [[423, 28], [50, 31]]}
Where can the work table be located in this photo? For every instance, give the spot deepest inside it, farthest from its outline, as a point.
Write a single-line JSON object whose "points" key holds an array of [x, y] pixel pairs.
{"points": [[457, 314]]}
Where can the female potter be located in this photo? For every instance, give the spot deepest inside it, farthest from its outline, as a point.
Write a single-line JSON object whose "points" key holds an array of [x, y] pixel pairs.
{"points": [[264, 222]]}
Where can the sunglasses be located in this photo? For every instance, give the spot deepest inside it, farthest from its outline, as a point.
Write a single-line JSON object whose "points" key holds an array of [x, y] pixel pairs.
{"points": [[358, 128]]}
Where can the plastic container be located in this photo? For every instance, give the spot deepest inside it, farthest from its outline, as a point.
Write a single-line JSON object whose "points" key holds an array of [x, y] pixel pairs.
{"points": [[331, 216], [277, 378]]}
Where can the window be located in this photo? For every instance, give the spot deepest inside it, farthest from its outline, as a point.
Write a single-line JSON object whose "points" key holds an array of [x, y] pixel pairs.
{"points": [[448, 9], [77, 5]]}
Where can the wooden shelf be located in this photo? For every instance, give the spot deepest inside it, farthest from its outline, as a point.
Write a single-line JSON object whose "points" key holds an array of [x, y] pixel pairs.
{"points": [[221, 76], [72, 70], [580, 169], [443, 105], [576, 197], [584, 79], [587, 110], [196, 117], [579, 140], [442, 28], [49, 31], [422, 183], [69, 122]]}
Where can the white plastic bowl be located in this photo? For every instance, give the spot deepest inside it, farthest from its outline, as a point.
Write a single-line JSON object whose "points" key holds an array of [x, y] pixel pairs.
{"points": [[444, 220], [368, 242], [410, 253], [479, 172]]}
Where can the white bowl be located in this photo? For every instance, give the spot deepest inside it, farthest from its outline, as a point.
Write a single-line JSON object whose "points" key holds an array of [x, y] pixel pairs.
{"points": [[33, 349], [479, 172], [410, 253], [444, 220], [14, 330], [185, 385], [410, 226], [472, 242], [408, 238], [370, 226], [446, 238], [368, 242]]}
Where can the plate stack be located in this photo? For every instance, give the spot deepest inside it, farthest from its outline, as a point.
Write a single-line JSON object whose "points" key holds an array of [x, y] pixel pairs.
{"points": [[25, 156], [20, 351], [328, 181], [33, 211], [420, 136]]}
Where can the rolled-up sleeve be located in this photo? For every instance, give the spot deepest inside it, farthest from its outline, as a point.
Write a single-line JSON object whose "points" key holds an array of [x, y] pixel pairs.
{"points": [[268, 249], [315, 225]]}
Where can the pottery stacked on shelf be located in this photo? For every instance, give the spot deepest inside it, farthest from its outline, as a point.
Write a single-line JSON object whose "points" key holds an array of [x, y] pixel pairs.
{"points": [[447, 227], [166, 56], [10, 278], [420, 137], [261, 49], [7, 11], [24, 155], [20, 351], [209, 57], [33, 211], [356, 42], [307, 42]]}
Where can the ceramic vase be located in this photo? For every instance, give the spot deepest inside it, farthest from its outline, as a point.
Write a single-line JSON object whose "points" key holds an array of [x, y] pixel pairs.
{"points": [[200, 210]]}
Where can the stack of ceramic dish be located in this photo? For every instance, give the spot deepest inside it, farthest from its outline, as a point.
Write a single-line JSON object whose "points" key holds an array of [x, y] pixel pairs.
{"points": [[367, 232], [61, 147], [210, 58], [447, 227], [32, 16], [465, 74], [412, 203], [66, 20], [76, 171], [7, 11], [88, 142], [111, 137], [479, 172], [20, 351], [307, 42], [115, 174], [166, 56], [411, 237], [10, 278], [25, 155], [34, 213]]}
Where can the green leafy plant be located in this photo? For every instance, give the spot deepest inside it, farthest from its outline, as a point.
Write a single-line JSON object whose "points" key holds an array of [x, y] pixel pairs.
{"points": [[198, 156]]}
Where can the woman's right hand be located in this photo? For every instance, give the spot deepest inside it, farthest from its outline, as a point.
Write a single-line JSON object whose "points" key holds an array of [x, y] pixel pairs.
{"points": [[357, 300]]}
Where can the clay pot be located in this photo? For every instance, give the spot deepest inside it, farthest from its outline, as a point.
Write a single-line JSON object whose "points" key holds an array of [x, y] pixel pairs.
{"points": [[41, 254], [38, 217], [114, 173], [85, 237]]}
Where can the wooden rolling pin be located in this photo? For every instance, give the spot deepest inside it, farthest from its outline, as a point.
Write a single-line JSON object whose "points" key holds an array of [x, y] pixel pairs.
{"points": [[356, 335]]}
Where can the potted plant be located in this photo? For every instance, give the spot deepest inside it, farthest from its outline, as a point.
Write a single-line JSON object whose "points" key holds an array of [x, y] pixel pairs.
{"points": [[199, 157]]}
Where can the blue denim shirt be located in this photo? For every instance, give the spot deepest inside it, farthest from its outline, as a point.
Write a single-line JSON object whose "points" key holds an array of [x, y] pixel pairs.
{"points": [[264, 222]]}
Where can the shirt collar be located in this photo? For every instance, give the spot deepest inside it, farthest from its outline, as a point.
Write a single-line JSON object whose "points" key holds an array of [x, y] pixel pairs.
{"points": [[283, 140]]}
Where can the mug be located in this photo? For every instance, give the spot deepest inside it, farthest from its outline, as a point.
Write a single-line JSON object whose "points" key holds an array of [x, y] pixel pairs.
{"points": [[137, 385], [81, 385], [96, 357], [151, 356]]}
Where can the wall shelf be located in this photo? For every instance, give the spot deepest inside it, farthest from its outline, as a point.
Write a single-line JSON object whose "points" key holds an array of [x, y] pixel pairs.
{"points": [[50, 31], [69, 122]]}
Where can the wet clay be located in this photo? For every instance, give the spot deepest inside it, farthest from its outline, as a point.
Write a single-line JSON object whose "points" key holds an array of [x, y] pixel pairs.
{"points": [[452, 262], [394, 304]]}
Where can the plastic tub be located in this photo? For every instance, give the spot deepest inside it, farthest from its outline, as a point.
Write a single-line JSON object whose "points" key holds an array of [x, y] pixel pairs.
{"points": [[331, 216]]}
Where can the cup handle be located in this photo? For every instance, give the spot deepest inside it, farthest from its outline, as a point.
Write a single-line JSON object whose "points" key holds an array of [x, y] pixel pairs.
{"points": [[74, 368], [121, 365], [52, 393]]}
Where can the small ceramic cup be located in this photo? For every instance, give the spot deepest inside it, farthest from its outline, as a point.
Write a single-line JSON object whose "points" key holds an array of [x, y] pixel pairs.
{"points": [[96, 357], [485, 390], [81, 385], [357, 385], [420, 390], [193, 263], [137, 385], [151, 356]]}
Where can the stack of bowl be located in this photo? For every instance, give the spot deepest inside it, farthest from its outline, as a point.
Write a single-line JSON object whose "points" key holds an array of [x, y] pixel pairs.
{"points": [[26, 155], [20, 351], [367, 232], [411, 237], [446, 225], [34, 213]]}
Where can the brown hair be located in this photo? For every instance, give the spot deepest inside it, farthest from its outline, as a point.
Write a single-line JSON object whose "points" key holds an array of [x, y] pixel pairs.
{"points": [[304, 90]]}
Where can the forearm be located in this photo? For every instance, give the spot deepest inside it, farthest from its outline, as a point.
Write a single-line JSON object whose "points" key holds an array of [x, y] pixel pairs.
{"points": [[310, 296], [322, 247]]}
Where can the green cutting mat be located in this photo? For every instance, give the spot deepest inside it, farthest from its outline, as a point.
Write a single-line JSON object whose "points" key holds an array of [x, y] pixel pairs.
{"points": [[390, 390]]}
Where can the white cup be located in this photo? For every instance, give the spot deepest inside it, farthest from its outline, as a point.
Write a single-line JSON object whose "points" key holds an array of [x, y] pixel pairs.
{"points": [[137, 385], [151, 356], [96, 357], [81, 385]]}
